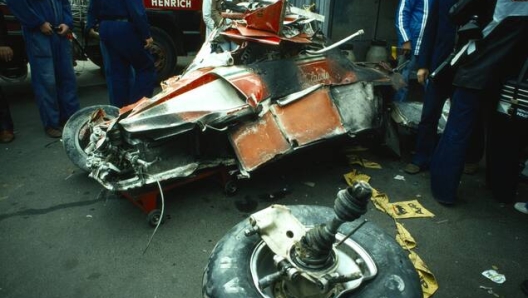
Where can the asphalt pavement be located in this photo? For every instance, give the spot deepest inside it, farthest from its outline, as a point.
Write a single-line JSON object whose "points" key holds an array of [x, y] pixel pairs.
{"points": [[62, 236]]}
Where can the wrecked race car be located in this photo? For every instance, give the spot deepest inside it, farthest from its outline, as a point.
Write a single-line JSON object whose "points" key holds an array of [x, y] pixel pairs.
{"points": [[281, 89]]}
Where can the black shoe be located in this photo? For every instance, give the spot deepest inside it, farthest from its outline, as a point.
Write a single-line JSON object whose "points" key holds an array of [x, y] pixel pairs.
{"points": [[53, 132], [412, 169]]}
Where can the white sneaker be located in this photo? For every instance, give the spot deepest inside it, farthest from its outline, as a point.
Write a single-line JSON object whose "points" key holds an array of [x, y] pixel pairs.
{"points": [[521, 207]]}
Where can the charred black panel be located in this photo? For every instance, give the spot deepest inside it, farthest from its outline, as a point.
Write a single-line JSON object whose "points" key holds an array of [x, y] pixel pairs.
{"points": [[281, 77]]}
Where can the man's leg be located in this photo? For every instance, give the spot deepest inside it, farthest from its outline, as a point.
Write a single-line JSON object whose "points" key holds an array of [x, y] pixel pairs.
{"points": [[145, 72], [67, 82], [118, 76], [448, 159], [44, 87], [43, 80], [435, 97]]}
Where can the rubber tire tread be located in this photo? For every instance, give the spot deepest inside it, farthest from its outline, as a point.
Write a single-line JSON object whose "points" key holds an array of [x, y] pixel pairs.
{"points": [[71, 131], [227, 273]]}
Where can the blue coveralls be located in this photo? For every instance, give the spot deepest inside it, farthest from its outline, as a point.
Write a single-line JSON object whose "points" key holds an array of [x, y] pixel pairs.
{"points": [[129, 67], [50, 58], [411, 17]]}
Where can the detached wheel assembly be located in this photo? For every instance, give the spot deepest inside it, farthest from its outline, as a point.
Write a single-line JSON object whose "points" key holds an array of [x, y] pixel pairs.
{"points": [[77, 131], [306, 251]]}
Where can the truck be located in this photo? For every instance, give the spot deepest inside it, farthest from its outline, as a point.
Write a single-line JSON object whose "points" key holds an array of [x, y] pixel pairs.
{"points": [[176, 27]]}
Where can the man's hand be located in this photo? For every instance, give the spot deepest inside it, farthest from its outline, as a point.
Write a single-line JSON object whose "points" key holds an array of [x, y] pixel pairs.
{"points": [[148, 42], [93, 34], [46, 29], [421, 75], [63, 29], [406, 47], [6, 53]]}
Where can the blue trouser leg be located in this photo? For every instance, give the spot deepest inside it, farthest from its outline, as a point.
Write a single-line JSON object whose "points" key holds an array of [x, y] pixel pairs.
{"points": [[50, 63], [448, 159], [108, 73], [119, 76], [477, 141], [66, 80], [436, 94], [43, 82], [126, 50]]}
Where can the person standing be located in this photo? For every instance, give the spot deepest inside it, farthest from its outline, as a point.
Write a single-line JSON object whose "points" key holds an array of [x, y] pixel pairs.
{"points": [[6, 54], [45, 26], [208, 17], [212, 17], [437, 45], [488, 61], [125, 38], [411, 18]]}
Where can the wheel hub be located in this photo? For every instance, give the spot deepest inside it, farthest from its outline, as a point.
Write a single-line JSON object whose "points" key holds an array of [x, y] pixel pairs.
{"points": [[295, 261]]}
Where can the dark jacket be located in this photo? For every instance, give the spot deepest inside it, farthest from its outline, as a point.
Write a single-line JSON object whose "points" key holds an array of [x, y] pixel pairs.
{"points": [[501, 52], [439, 37]]}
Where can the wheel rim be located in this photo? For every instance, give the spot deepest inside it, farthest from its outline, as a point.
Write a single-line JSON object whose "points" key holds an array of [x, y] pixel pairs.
{"points": [[261, 264], [83, 137], [83, 133]]}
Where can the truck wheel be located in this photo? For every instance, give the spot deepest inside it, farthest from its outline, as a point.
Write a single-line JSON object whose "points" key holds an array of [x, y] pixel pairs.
{"points": [[164, 52], [75, 136], [228, 272]]}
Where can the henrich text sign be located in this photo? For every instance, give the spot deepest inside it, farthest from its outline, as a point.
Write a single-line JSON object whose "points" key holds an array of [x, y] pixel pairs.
{"points": [[174, 4]]}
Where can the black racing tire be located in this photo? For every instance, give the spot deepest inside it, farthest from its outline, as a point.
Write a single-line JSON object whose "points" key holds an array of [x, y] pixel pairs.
{"points": [[72, 140], [227, 273], [165, 53]]}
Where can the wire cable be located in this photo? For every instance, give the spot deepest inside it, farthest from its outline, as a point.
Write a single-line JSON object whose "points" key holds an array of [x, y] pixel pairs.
{"points": [[161, 216]]}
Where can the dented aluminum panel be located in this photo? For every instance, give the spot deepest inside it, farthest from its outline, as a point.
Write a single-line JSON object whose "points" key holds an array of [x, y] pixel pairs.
{"points": [[258, 142], [322, 114], [311, 119]]}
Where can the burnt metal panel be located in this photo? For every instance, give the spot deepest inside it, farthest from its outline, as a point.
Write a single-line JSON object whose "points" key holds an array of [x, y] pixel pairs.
{"points": [[311, 119], [358, 105], [258, 142]]}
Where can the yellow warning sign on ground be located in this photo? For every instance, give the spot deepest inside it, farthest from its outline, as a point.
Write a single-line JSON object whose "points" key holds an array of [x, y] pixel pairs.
{"points": [[409, 209]]}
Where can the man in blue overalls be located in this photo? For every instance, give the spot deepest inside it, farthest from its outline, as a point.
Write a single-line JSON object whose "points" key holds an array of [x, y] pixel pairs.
{"points": [[46, 24], [125, 38]]}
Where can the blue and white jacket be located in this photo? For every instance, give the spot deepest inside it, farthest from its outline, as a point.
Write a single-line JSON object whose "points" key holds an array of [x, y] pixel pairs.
{"points": [[411, 17]]}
